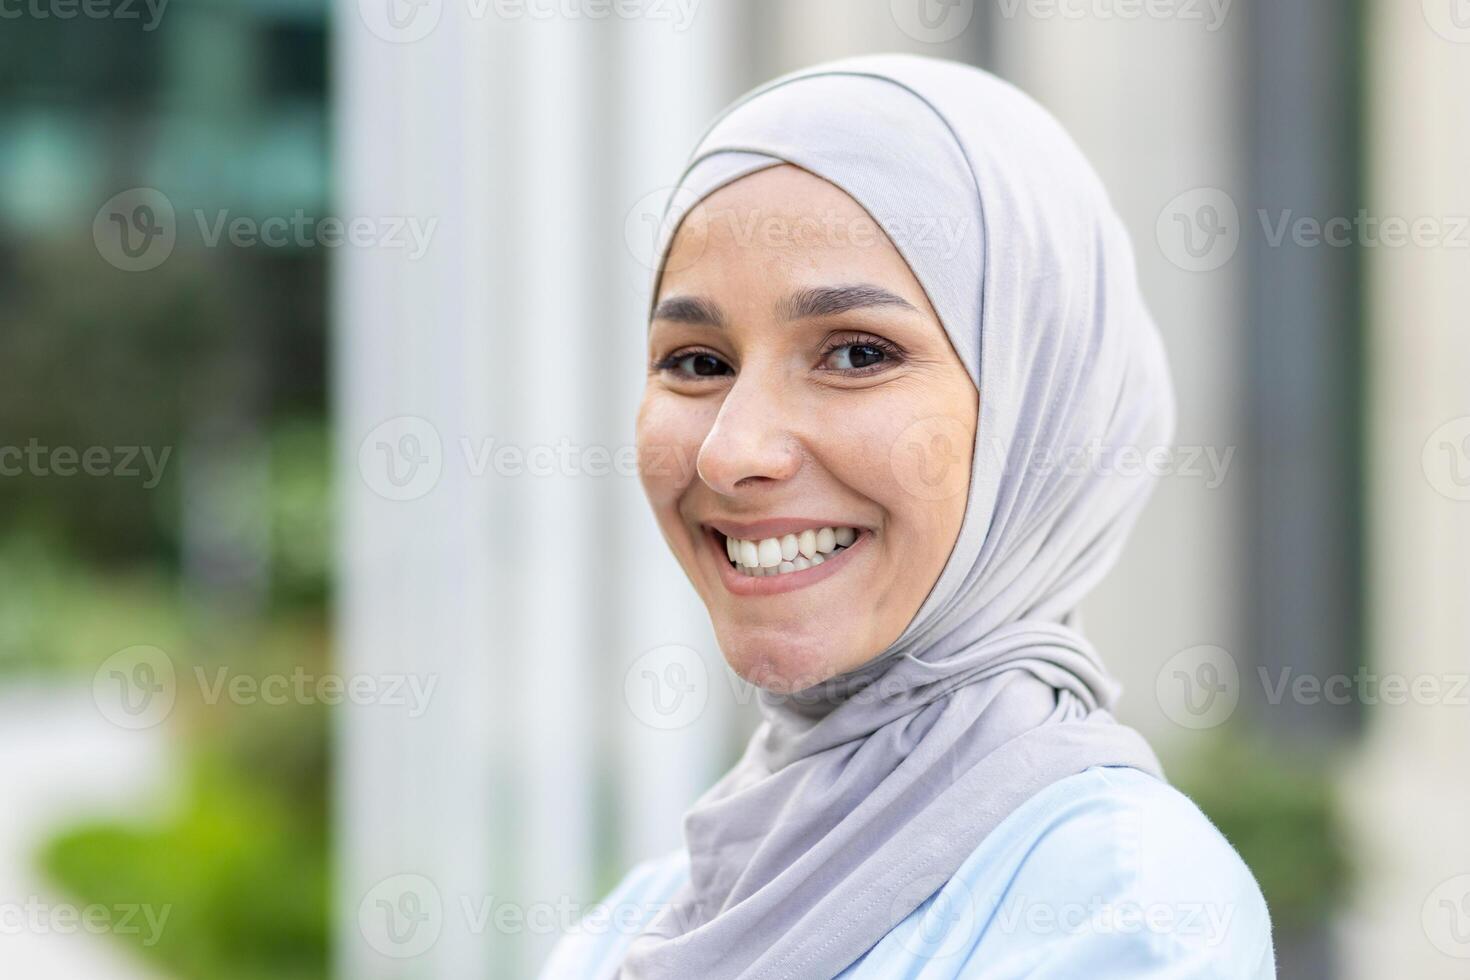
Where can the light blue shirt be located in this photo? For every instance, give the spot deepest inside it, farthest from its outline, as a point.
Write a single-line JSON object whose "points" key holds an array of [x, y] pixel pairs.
{"points": [[1108, 873]]}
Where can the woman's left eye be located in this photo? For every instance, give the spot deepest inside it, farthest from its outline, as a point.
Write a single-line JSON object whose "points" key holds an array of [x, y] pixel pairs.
{"points": [[860, 356]]}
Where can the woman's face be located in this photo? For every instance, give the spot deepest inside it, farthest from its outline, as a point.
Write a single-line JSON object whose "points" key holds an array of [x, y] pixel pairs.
{"points": [[804, 402]]}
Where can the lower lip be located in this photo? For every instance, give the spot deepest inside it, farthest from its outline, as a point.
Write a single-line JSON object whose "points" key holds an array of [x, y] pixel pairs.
{"points": [[741, 584]]}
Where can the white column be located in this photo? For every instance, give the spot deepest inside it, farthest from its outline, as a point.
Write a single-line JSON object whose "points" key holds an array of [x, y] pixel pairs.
{"points": [[1410, 794], [416, 371]]}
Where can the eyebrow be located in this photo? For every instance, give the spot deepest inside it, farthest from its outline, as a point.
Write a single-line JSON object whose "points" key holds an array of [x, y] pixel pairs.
{"points": [[690, 309], [832, 300], [810, 302]]}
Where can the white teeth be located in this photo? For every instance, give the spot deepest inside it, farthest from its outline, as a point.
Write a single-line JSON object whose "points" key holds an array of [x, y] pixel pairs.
{"points": [[794, 552]]}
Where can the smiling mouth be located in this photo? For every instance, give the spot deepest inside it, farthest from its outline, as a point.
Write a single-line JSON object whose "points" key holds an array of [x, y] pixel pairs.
{"points": [[794, 552]]}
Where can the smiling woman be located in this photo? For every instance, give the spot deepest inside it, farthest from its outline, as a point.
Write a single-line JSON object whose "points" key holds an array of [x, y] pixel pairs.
{"points": [[938, 787], [787, 372]]}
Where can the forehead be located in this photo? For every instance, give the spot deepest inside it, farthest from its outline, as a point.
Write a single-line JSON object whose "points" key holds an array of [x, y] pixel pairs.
{"points": [[778, 227]]}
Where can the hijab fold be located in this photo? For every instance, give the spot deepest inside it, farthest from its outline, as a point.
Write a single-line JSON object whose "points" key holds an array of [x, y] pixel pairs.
{"points": [[855, 800]]}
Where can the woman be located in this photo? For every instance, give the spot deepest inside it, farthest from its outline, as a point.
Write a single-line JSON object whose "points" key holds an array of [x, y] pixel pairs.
{"points": [[899, 334]]}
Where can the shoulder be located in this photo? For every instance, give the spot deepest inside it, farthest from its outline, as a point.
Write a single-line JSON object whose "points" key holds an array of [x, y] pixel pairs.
{"points": [[595, 945], [1115, 863]]}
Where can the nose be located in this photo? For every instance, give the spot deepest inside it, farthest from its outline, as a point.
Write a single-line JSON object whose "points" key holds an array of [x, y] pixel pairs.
{"points": [[751, 443]]}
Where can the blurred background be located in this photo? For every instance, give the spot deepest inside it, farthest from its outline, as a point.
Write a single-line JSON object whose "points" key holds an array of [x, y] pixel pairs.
{"points": [[319, 350]]}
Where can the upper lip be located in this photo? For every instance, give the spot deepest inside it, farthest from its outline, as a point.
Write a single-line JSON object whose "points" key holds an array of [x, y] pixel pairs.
{"points": [[773, 527]]}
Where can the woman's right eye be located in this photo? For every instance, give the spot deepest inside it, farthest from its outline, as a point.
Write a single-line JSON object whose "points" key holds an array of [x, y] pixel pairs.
{"points": [[694, 364]]}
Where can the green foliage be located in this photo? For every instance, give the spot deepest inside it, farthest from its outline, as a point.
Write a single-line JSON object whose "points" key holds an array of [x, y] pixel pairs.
{"points": [[1280, 813], [242, 882], [242, 865], [58, 614]]}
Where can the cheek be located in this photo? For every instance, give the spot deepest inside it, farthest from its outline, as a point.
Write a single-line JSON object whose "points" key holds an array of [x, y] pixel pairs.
{"points": [[908, 453], [670, 430]]}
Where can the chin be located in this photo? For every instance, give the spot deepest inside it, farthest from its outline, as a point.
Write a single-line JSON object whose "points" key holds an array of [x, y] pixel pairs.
{"points": [[780, 663]]}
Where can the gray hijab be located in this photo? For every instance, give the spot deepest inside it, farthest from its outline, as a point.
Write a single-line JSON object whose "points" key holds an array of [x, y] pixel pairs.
{"points": [[857, 799]]}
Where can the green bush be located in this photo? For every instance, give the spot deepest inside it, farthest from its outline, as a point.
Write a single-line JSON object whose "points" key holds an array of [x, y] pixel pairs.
{"points": [[1280, 813], [242, 883]]}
